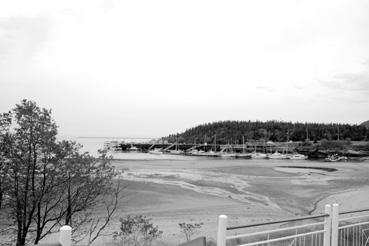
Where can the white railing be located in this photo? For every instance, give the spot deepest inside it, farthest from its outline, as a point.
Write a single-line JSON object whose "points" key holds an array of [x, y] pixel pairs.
{"points": [[328, 229], [65, 237], [353, 228]]}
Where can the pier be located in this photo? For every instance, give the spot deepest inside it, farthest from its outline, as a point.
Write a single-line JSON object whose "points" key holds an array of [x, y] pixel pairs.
{"points": [[311, 150], [238, 148]]}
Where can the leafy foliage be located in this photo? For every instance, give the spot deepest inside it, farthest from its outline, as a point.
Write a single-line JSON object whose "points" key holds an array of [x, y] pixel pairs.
{"points": [[136, 231], [46, 183]]}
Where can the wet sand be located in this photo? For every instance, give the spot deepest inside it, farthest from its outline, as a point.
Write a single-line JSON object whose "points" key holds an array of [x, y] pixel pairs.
{"points": [[199, 190]]}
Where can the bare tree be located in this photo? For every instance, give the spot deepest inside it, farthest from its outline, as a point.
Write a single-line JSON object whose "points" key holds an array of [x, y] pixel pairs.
{"points": [[189, 229], [96, 226]]}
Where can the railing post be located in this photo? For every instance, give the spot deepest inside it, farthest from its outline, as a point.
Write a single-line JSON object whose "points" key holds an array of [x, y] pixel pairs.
{"points": [[65, 236], [222, 230], [327, 225], [335, 222]]}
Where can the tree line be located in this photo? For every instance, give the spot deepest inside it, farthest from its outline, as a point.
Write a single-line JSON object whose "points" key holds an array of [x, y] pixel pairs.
{"points": [[224, 132]]}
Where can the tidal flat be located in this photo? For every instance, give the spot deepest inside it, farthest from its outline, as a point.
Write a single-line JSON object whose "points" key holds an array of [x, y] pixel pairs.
{"points": [[198, 190]]}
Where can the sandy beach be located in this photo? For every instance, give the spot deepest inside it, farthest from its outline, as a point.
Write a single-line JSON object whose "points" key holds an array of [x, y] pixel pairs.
{"points": [[197, 190]]}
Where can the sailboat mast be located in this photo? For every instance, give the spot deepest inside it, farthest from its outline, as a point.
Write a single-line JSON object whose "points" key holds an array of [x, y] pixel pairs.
{"points": [[288, 139], [215, 143], [338, 138], [177, 142], [307, 133]]}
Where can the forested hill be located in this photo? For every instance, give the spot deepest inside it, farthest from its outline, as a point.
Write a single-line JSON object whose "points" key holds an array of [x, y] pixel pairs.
{"points": [[366, 124], [233, 131]]}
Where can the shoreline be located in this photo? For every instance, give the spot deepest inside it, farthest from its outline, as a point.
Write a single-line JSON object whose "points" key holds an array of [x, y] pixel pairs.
{"points": [[356, 197]]}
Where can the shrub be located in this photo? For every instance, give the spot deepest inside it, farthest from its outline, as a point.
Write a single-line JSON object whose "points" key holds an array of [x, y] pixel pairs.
{"points": [[189, 229], [136, 231]]}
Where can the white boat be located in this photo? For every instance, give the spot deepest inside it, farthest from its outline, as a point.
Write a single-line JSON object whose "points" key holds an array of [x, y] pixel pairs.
{"points": [[277, 155], [257, 155], [227, 152], [297, 157], [196, 152], [228, 155], [155, 152], [335, 158], [133, 149], [243, 155], [211, 154], [200, 153], [176, 152]]}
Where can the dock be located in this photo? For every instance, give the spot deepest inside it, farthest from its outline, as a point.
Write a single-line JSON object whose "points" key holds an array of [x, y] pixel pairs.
{"points": [[237, 148]]}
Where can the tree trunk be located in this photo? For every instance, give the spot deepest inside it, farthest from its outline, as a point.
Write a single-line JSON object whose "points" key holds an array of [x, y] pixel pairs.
{"points": [[18, 211], [38, 227], [20, 240], [1, 195], [68, 217]]}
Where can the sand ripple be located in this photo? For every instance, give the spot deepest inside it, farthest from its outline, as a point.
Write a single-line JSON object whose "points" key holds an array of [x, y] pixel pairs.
{"points": [[230, 186]]}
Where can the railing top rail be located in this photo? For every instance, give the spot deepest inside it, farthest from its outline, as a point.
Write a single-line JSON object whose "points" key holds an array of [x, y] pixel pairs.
{"points": [[353, 218], [278, 222], [48, 244], [353, 225], [273, 231], [354, 211]]}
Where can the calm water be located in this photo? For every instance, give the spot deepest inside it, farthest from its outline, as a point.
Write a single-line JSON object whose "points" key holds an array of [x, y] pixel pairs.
{"points": [[93, 144]]}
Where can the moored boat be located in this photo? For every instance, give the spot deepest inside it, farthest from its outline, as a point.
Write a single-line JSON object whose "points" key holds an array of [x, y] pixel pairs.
{"points": [[297, 157], [335, 158], [227, 152], [228, 155], [176, 152], [212, 154], [155, 152], [277, 155], [196, 152], [258, 155], [133, 149], [243, 156]]}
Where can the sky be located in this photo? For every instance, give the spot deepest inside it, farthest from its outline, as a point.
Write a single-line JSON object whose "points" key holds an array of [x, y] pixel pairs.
{"points": [[152, 68]]}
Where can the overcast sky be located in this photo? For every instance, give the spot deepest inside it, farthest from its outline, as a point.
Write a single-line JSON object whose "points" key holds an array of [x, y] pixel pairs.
{"points": [[151, 68]]}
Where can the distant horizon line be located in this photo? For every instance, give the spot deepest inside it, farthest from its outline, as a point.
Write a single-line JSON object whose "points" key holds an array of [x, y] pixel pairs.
{"points": [[75, 136]]}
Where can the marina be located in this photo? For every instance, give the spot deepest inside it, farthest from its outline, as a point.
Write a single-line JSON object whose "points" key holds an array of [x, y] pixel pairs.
{"points": [[247, 150]]}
